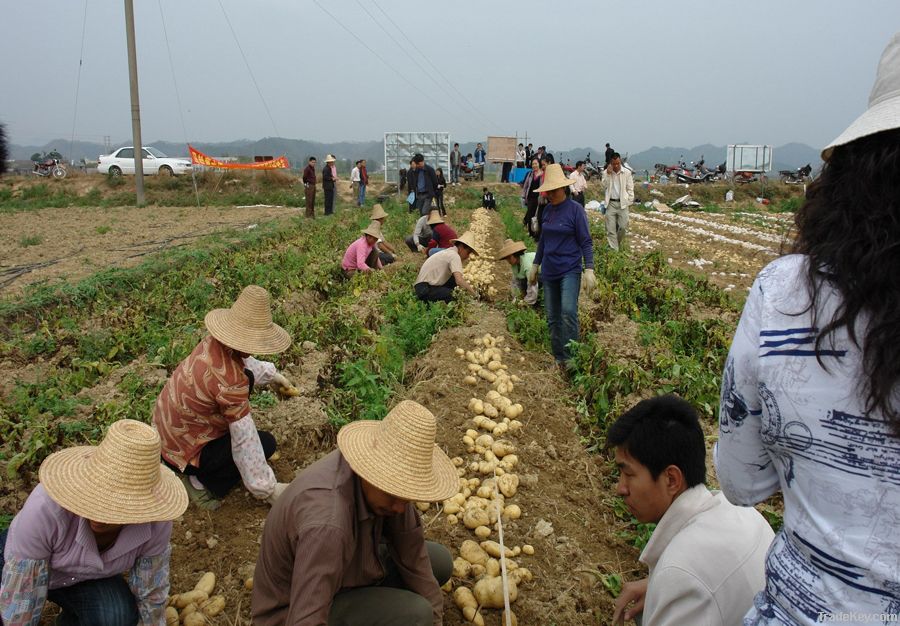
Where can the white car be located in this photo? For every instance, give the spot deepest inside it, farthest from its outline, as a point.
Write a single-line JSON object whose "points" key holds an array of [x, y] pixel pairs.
{"points": [[155, 162]]}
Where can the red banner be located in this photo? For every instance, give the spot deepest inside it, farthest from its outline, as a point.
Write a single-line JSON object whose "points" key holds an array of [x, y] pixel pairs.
{"points": [[198, 158]]}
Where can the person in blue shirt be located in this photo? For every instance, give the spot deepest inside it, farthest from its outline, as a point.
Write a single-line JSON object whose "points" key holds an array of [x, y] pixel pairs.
{"points": [[565, 241]]}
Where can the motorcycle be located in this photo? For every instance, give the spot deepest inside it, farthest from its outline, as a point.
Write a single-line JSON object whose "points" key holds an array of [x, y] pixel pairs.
{"points": [[661, 169], [701, 173], [747, 177], [795, 177], [48, 164]]}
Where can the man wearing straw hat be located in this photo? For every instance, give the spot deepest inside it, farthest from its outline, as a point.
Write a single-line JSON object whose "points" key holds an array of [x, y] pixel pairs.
{"points": [[521, 261], [329, 181], [441, 273], [442, 234], [386, 251], [345, 545], [421, 235], [97, 512], [362, 255], [203, 412]]}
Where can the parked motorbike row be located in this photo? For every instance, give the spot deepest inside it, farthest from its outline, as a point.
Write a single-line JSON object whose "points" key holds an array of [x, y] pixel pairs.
{"points": [[48, 164], [693, 173]]}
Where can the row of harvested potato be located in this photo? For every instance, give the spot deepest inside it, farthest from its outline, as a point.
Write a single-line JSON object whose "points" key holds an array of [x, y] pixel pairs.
{"points": [[479, 270], [195, 607]]}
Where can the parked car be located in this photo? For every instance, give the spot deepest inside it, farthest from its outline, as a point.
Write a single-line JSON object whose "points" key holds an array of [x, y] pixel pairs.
{"points": [[155, 162]]}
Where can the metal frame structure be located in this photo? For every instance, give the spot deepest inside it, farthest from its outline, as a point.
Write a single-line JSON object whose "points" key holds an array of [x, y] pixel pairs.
{"points": [[399, 148]]}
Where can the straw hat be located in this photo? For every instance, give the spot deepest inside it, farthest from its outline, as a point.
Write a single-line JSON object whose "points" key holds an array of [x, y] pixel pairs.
{"points": [[435, 218], [510, 247], [374, 229], [884, 101], [398, 454], [247, 326], [378, 212], [469, 239], [554, 178], [121, 481], [329, 158]]}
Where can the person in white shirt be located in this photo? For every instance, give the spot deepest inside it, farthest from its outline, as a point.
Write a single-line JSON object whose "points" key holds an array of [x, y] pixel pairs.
{"points": [[354, 179], [580, 182], [706, 556], [520, 156], [618, 189]]}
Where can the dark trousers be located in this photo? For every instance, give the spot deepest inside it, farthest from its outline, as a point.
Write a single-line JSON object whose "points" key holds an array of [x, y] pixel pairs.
{"points": [[436, 293], [531, 212], [329, 201], [504, 174], [217, 470], [386, 258], [101, 602], [423, 203], [578, 197], [311, 201], [390, 603], [439, 199], [411, 242]]}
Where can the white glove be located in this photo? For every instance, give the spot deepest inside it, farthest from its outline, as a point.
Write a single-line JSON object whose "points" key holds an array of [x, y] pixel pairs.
{"points": [[420, 247], [533, 274], [279, 380], [279, 489], [588, 280]]}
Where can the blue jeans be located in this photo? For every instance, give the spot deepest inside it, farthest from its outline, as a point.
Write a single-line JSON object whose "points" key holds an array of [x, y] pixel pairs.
{"points": [[103, 602], [362, 195], [561, 304], [454, 173]]}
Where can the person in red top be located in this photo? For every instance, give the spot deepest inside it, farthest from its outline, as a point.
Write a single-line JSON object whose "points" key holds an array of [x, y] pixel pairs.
{"points": [[363, 181], [203, 411], [309, 183], [442, 233]]}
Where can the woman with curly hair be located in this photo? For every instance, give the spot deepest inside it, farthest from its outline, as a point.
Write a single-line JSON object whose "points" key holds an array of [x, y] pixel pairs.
{"points": [[810, 400]]}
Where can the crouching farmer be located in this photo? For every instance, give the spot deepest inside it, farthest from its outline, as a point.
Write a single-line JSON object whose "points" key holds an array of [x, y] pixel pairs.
{"points": [[441, 273], [203, 412], [98, 511], [521, 262], [706, 556], [386, 251], [362, 254], [344, 545]]}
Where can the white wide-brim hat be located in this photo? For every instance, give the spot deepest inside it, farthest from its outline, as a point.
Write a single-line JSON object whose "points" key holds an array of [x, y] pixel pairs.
{"points": [[247, 326], [468, 239], [399, 456], [884, 101]]}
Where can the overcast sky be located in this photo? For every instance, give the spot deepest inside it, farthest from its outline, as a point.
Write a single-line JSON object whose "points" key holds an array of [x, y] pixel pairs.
{"points": [[577, 73]]}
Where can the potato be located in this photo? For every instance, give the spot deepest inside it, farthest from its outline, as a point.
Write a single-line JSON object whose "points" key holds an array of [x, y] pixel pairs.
{"points": [[188, 610], [451, 507], [528, 549], [423, 506], [508, 484], [500, 429], [512, 511], [487, 375], [460, 352], [452, 520], [172, 618], [485, 441], [195, 596], [477, 406], [207, 583], [513, 620], [475, 517], [522, 575], [492, 548], [490, 410], [194, 619], [517, 551], [248, 584], [515, 426], [468, 441], [473, 553], [213, 606], [502, 448], [482, 532], [488, 592], [466, 603], [477, 571], [509, 462], [461, 567], [494, 366]]}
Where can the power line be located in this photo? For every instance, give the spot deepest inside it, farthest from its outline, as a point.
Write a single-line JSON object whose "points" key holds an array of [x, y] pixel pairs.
{"points": [[78, 81]]}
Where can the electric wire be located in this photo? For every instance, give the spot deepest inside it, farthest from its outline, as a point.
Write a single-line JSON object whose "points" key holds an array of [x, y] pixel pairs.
{"points": [[184, 134], [78, 83]]}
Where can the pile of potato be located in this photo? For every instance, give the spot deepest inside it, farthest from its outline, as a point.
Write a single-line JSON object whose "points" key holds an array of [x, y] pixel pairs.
{"points": [[195, 607], [479, 270], [487, 483]]}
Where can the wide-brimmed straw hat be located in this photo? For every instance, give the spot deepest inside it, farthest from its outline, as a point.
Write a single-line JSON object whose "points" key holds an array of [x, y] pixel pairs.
{"points": [[121, 481], [554, 178], [467, 238], [329, 158], [374, 229], [884, 101], [510, 247], [247, 326], [398, 454], [435, 218], [378, 212]]}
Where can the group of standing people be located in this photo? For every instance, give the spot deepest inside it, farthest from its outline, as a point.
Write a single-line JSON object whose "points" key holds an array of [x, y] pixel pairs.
{"points": [[359, 181]]}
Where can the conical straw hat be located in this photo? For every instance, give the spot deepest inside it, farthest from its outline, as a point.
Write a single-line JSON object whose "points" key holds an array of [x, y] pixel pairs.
{"points": [[510, 247], [435, 218], [247, 326], [554, 178], [121, 481], [398, 454], [378, 212], [467, 238], [374, 229]]}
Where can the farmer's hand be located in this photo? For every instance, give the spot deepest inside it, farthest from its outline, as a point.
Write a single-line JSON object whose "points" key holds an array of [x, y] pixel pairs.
{"points": [[588, 281], [533, 274], [631, 592], [280, 380], [279, 489], [420, 247]]}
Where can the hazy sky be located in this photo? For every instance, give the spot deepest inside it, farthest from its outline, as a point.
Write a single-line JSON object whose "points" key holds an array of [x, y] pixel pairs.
{"points": [[577, 73]]}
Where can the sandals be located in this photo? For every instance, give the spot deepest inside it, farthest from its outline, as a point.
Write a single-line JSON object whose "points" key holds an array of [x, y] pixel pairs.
{"points": [[202, 498]]}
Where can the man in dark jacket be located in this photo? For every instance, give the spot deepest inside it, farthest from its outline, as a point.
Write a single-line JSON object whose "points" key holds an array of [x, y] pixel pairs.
{"points": [[309, 183], [424, 184], [329, 178], [608, 155]]}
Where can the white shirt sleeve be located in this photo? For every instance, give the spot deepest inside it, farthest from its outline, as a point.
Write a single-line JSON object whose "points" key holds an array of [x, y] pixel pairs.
{"points": [[262, 371], [677, 598], [248, 455]]}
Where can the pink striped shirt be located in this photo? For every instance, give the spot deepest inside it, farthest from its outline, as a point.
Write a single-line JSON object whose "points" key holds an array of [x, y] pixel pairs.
{"points": [[356, 255]]}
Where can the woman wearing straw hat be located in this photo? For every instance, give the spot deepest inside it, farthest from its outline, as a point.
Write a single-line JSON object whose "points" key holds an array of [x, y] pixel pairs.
{"points": [[810, 402], [203, 412], [329, 181], [386, 251], [97, 512], [565, 241], [442, 234], [441, 273], [521, 261], [362, 255], [345, 544]]}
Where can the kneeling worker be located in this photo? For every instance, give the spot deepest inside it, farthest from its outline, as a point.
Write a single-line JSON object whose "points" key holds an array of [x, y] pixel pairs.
{"points": [[362, 255], [345, 545], [442, 272], [521, 262], [706, 556], [386, 251]]}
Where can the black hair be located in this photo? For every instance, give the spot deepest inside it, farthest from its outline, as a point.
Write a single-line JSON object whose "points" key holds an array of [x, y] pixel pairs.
{"points": [[579, 163], [660, 432], [607, 145], [418, 158], [548, 157], [484, 189], [456, 145], [311, 159], [849, 227], [615, 155]]}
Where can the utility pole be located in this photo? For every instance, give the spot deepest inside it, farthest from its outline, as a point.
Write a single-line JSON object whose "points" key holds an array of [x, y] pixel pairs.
{"points": [[135, 102]]}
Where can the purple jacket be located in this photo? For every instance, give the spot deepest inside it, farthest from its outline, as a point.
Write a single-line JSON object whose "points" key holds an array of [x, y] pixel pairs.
{"points": [[565, 240]]}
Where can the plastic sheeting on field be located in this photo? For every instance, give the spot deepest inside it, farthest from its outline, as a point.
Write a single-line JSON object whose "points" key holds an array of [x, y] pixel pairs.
{"points": [[399, 148]]}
